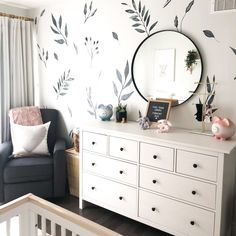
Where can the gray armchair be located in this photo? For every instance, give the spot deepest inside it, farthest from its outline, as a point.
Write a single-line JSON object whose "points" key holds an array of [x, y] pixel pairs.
{"points": [[44, 176]]}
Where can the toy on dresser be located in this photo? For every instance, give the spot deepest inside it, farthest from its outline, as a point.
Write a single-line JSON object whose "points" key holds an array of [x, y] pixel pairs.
{"points": [[222, 128]]}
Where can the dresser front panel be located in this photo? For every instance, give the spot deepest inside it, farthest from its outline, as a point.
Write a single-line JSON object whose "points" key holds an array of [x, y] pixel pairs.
{"points": [[157, 156], [114, 169], [189, 220], [124, 148], [110, 194], [180, 187], [197, 164]]}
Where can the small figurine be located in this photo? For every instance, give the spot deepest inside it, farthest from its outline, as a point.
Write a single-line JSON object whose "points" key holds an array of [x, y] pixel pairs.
{"points": [[222, 128], [163, 126], [143, 121]]}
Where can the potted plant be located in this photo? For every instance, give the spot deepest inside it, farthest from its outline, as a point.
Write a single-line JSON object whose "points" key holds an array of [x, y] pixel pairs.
{"points": [[121, 113], [191, 59]]}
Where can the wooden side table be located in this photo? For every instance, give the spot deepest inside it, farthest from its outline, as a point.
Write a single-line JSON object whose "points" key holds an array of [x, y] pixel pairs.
{"points": [[73, 171]]}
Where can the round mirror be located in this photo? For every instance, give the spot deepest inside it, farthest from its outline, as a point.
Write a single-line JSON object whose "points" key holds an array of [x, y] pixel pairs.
{"points": [[167, 65]]}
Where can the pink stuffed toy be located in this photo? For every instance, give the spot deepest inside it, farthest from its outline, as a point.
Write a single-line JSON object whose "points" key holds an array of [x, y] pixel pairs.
{"points": [[222, 128], [163, 126]]}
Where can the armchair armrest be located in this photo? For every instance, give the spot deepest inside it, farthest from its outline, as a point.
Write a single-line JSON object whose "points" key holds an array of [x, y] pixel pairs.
{"points": [[59, 157], [5, 151]]}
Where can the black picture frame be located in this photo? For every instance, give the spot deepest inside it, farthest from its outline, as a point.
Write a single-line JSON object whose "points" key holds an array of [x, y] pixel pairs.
{"points": [[158, 110]]}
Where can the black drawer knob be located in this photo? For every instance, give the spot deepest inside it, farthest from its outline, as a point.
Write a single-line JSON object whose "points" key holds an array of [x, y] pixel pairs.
{"points": [[93, 164], [153, 208], [192, 222], [93, 143], [154, 181], [194, 165], [194, 192], [121, 172], [93, 188], [121, 198], [154, 156], [121, 149]]}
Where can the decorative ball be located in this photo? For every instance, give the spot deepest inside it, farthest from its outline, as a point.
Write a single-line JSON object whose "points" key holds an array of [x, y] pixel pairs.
{"points": [[105, 112]]}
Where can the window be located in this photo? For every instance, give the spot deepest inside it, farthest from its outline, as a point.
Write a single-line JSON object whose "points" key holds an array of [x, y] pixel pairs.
{"points": [[223, 6]]}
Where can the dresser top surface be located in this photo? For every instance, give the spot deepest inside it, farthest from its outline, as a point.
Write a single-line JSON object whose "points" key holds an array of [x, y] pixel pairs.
{"points": [[176, 136]]}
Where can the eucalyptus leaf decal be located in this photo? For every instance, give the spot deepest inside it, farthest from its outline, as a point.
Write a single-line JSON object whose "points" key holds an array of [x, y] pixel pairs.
{"points": [[42, 13], [92, 107], [76, 48], [92, 48], [70, 111], [43, 55], [235, 78], [176, 22], [188, 8], [141, 17], [37, 20], [234, 50], [63, 84], [55, 56], [88, 11], [115, 36], [167, 3], [58, 30], [123, 84], [209, 34]]}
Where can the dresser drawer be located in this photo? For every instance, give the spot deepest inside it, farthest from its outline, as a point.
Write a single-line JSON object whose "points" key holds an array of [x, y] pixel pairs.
{"points": [[180, 217], [190, 190], [157, 156], [118, 170], [197, 165], [95, 142], [110, 194], [124, 148]]}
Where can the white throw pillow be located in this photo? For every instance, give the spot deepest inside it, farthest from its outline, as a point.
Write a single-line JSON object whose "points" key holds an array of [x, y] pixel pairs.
{"points": [[28, 140]]}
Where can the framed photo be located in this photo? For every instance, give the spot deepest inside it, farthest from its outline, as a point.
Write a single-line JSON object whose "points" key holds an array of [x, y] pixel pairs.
{"points": [[158, 110], [165, 64]]}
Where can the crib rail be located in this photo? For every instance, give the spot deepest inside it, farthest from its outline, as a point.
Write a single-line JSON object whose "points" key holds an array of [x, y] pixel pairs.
{"points": [[33, 216]]}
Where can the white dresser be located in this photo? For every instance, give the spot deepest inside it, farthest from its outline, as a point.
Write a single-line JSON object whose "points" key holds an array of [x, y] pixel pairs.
{"points": [[178, 182]]}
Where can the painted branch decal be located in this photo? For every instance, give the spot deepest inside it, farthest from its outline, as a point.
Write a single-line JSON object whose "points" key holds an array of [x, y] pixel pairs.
{"points": [[55, 56], [63, 84], [124, 83], [233, 49], [176, 21], [92, 48], [37, 19], [92, 107], [43, 55], [60, 30], [88, 11], [115, 36], [140, 16]]}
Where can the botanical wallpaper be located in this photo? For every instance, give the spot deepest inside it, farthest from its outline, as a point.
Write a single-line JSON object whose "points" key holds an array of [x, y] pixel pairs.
{"points": [[85, 51]]}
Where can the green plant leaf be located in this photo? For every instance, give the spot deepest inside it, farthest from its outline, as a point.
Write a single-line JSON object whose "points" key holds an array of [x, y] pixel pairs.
{"points": [[208, 85], [115, 89], [211, 98], [119, 76], [126, 96], [54, 21]]}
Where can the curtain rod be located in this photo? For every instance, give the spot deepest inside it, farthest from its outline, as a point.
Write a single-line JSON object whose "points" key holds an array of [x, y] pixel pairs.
{"points": [[16, 17]]}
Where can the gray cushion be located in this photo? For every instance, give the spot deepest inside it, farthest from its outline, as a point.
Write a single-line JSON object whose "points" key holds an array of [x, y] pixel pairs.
{"points": [[28, 169]]}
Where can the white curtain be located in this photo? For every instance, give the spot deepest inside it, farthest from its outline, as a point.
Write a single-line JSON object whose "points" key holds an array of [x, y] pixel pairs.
{"points": [[16, 69]]}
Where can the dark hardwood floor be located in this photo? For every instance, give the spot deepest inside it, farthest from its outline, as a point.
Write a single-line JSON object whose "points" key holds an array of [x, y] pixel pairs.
{"points": [[109, 219]]}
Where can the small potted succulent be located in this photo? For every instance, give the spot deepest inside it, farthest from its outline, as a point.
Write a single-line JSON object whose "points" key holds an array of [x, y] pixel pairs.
{"points": [[121, 113]]}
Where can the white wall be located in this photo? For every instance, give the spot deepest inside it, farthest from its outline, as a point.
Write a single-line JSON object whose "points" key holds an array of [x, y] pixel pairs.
{"points": [[14, 10], [218, 58]]}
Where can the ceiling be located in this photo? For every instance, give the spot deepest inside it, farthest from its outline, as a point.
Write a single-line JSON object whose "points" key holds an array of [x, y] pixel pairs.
{"points": [[28, 4]]}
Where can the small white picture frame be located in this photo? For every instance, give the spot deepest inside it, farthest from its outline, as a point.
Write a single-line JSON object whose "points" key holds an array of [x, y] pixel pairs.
{"points": [[223, 6]]}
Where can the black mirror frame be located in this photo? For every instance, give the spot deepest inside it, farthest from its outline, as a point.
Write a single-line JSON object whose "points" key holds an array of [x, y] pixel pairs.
{"points": [[136, 51]]}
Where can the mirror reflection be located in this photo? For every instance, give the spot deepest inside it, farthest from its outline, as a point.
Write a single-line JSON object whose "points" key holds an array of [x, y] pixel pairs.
{"points": [[167, 65]]}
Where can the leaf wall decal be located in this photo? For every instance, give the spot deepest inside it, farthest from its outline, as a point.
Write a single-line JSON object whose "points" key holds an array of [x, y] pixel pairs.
{"points": [[126, 71], [140, 30], [115, 89], [88, 12], [234, 50], [208, 34], [115, 35], [134, 5], [55, 56], [119, 76], [167, 3], [60, 22], [54, 20], [176, 21], [152, 26], [126, 96], [188, 8], [60, 41], [42, 13], [66, 31]]}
